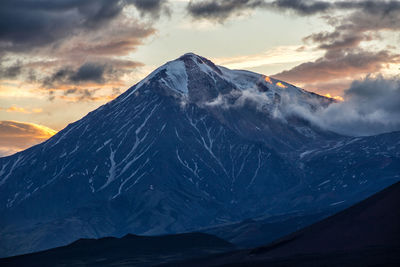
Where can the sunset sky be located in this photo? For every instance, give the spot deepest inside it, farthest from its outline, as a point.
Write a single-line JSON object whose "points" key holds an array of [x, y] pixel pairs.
{"points": [[61, 59]]}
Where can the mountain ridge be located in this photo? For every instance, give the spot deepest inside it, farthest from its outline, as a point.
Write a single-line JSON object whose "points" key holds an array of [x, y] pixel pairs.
{"points": [[127, 250]]}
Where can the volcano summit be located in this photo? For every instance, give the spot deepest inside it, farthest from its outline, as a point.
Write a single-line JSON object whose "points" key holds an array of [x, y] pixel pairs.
{"points": [[193, 145]]}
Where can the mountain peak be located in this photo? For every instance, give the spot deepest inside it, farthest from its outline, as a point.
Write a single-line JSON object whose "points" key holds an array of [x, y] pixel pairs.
{"points": [[180, 74], [190, 54], [204, 64], [201, 81]]}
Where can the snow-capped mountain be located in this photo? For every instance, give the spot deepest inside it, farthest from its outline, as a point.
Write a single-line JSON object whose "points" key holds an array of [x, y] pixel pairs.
{"points": [[190, 146]]}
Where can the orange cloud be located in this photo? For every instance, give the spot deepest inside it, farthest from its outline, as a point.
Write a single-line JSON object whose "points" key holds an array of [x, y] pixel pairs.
{"points": [[92, 98], [17, 109], [37, 110], [22, 110], [16, 136]]}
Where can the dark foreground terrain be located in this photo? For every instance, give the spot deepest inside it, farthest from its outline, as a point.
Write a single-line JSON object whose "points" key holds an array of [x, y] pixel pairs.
{"points": [[366, 234], [129, 250]]}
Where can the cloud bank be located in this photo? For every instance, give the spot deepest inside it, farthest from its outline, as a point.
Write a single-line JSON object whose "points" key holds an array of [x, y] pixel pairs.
{"points": [[371, 106], [221, 10]]}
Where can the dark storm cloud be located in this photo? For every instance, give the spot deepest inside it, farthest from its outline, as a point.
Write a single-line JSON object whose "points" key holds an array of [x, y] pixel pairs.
{"points": [[88, 72], [26, 24], [60, 76], [371, 106], [302, 7], [371, 6], [81, 94], [29, 23], [310, 7], [151, 7], [337, 40], [221, 9]]}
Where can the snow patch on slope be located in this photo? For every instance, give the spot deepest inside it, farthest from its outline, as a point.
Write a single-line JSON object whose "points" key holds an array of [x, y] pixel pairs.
{"points": [[177, 77]]}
